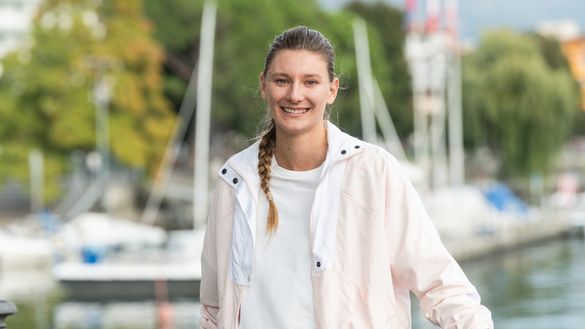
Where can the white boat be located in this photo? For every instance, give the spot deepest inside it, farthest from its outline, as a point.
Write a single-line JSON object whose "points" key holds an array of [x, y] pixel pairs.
{"points": [[129, 281], [113, 259], [23, 250]]}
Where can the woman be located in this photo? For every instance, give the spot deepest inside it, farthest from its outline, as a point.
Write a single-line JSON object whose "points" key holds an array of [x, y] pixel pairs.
{"points": [[312, 228]]}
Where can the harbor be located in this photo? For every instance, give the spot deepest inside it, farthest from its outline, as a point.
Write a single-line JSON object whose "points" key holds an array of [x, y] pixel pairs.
{"points": [[515, 236], [101, 272], [539, 286], [117, 118]]}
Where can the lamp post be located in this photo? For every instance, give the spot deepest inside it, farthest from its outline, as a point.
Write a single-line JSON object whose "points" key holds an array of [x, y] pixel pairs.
{"points": [[6, 309]]}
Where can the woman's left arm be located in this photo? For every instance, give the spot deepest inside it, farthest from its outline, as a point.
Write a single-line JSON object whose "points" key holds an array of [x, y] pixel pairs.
{"points": [[420, 262]]}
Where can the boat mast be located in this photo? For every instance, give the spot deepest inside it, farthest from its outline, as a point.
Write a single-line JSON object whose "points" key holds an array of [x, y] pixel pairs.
{"points": [[204, 84], [195, 95], [373, 107], [366, 85], [456, 152]]}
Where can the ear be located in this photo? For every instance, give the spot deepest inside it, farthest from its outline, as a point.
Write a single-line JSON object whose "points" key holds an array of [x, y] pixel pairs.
{"points": [[261, 85], [333, 88]]}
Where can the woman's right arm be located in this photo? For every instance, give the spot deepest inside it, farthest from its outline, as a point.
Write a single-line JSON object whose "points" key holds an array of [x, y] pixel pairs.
{"points": [[208, 292]]}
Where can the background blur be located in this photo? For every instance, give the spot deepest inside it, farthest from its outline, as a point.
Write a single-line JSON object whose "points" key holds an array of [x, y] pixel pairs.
{"points": [[116, 115]]}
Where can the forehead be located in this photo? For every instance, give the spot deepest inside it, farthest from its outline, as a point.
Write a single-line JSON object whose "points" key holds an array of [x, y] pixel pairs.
{"points": [[298, 62]]}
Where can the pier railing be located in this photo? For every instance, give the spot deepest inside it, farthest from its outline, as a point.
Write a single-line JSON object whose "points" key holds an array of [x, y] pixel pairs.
{"points": [[6, 309]]}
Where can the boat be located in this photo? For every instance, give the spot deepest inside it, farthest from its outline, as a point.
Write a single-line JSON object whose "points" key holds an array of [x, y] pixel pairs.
{"points": [[107, 258], [24, 247], [115, 259]]}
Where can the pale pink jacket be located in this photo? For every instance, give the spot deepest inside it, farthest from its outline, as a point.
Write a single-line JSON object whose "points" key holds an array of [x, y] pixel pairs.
{"points": [[372, 242]]}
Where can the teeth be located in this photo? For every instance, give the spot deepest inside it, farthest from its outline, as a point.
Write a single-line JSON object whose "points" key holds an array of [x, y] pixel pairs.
{"points": [[294, 111]]}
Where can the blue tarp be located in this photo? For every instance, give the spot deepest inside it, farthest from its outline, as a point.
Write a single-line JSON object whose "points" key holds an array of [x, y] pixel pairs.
{"points": [[503, 199]]}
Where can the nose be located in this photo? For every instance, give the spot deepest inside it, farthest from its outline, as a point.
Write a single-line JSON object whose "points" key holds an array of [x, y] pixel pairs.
{"points": [[295, 93]]}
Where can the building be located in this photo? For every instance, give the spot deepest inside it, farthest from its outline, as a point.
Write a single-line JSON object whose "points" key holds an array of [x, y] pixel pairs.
{"points": [[561, 30], [574, 49]]}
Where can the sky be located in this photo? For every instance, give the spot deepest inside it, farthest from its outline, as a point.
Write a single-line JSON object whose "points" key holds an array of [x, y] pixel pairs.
{"points": [[524, 15]]}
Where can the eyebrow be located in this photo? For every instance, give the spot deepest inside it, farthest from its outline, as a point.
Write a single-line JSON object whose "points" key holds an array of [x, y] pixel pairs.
{"points": [[309, 75]]}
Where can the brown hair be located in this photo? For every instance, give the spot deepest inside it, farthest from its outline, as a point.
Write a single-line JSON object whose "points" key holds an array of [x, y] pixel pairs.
{"points": [[296, 38]]}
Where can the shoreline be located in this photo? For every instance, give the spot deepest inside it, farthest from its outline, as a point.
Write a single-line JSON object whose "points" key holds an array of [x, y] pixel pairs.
{"points": [[512, 236]]}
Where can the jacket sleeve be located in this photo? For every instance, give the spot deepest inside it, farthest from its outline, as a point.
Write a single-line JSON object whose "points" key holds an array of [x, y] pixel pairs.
{"points": [[208, 292], [421, 263]]}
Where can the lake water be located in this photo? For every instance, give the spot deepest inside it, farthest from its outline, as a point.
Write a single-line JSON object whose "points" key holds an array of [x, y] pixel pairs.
{"points": [[541, 287]]}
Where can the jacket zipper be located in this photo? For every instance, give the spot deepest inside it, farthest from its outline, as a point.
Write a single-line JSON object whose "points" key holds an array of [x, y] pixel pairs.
{"points": [[313, 279]]}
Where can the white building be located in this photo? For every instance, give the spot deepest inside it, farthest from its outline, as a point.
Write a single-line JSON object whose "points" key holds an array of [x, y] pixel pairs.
{"points": [[563, 30], [15, 22]]}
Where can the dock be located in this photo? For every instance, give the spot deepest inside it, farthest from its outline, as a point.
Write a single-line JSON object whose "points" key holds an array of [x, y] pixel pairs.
{"points": [[549, 225]]}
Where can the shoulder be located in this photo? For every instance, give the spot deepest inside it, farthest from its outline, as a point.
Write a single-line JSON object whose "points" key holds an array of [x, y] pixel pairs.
{"points": [[346, 147], [223, 197], [241, 165], [245, 157], [376, 159]]}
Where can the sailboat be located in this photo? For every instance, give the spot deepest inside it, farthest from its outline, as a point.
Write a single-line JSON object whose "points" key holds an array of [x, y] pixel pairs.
{"points": [[115, 259], [164, 270]]}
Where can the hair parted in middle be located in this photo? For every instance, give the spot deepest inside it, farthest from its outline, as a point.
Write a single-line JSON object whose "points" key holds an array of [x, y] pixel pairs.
{"points": [[296, 38]]}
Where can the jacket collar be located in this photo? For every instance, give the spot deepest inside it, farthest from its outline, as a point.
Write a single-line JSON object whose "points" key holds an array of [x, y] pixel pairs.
{"points": [[244, 165]]}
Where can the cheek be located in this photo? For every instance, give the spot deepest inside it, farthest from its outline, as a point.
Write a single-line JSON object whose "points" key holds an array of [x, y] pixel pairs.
{"points": [[272, 96], [322, 97]]}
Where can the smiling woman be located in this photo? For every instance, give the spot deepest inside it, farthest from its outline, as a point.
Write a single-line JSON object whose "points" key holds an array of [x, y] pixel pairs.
{"points": [[349, 238]]}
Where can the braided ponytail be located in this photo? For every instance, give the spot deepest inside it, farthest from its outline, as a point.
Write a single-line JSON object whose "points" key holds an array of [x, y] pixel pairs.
{"points": [[266, 150]]}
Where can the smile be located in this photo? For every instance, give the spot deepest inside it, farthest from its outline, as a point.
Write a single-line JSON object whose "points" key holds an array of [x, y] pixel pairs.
{"points": [[294, 111]]}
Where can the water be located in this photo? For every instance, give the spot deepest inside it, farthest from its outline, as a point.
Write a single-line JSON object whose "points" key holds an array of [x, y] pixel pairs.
{"points": [[542, 287]]}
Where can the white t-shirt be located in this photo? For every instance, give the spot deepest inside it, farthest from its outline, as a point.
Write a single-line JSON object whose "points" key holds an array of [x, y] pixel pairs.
{"points": [[281, 291]]}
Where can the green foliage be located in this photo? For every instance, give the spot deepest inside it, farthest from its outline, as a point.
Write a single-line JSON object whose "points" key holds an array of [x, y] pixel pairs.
{"points": [[46, 89], [241, 48], [579, 124], [244, 31], [519, 100]]}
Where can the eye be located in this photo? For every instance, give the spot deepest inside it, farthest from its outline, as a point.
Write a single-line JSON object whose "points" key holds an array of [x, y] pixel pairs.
{"points": [[312, 82], [280, 81]]}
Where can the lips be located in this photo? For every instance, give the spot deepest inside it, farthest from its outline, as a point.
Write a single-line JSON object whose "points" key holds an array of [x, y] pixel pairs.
{"points": [[291, 110]]}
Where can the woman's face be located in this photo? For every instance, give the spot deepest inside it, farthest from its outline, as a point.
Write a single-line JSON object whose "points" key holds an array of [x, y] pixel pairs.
{"points": [[297, 90]]}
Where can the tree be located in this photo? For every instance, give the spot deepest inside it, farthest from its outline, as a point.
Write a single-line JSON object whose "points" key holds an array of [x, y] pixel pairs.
{"points": [[555, 59], [46, 89], [177, 27], [241, 44], [520, 99]]}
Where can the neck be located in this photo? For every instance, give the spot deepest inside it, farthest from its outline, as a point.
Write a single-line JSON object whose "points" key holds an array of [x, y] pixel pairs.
{"points": [[301, 152]]}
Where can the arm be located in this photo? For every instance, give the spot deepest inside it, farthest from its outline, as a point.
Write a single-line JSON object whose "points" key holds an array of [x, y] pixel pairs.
{"points": [[421, 263], [208, 293]]}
